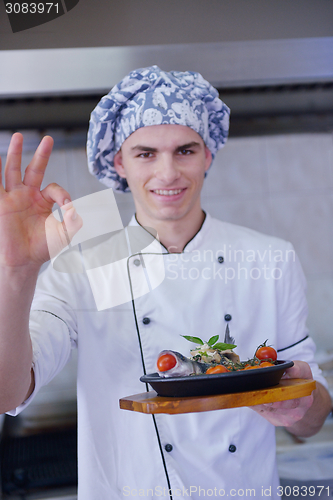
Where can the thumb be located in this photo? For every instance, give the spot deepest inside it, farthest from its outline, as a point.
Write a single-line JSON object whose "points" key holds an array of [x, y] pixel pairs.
{"points": [[299, 370]]}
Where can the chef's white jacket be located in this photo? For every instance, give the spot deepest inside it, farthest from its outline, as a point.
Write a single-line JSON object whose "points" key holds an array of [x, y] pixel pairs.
{"points": [[226, 275]]}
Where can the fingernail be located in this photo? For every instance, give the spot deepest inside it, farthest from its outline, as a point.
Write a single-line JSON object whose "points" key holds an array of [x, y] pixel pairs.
{"points": [[67, 201], [74, 214]]}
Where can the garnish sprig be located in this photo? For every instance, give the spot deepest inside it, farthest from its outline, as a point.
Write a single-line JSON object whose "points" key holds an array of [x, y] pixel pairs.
{"points": [[212, 342]]}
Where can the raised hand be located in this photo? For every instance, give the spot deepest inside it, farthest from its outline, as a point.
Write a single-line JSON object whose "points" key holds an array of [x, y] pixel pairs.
{"points": [[24, 209]]}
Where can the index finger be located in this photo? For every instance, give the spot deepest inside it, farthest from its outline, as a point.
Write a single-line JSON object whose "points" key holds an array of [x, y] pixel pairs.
{"points": [[34, 173]]}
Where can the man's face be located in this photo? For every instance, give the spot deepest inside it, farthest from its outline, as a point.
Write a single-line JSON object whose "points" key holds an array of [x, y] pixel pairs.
{"points": [[164, 166]]}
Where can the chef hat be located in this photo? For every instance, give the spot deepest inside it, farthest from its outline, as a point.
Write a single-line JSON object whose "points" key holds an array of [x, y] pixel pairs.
{"points": [[150, 96]]}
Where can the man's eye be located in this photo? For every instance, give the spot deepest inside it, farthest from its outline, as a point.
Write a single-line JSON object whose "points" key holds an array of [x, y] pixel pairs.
{"points": [[145, 155], [185, 151]]}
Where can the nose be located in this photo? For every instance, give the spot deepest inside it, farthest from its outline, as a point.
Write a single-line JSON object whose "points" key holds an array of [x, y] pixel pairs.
{"points": [[166, 169]]}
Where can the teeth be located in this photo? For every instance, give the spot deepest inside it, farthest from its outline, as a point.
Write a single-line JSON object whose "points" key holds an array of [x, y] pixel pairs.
{"points": [[170, 192]]}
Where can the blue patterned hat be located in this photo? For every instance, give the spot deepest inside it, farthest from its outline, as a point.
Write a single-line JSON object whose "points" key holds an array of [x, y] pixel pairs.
{"points": [[150, 96]]}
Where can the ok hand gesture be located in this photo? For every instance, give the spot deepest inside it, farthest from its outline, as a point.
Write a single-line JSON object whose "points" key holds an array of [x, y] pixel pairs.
{"points": [[24, 210]]}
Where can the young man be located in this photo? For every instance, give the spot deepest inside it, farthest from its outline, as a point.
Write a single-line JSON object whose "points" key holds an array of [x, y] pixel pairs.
{"points": [[154, 134]]}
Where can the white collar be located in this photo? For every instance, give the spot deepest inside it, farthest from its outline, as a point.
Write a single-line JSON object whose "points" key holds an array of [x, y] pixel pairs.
{"points": [[196, 240]]}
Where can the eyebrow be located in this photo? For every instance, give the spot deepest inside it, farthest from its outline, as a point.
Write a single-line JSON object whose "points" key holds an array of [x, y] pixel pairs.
{"points": [[148, 149], [192, 144], [139, 147]]}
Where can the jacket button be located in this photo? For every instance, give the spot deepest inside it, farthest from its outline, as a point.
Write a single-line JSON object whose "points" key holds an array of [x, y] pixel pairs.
{"points": [[228, 317], [232, 448], [146, 321], [220, 259], [168, 447], [136, 262]]}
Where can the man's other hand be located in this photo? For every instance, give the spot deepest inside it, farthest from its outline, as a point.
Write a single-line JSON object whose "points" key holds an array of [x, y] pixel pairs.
{"points": [[302, 416]]}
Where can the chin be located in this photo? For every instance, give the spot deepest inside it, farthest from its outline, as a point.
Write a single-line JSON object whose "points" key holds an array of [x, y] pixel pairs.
{"points": [[170, 214]]}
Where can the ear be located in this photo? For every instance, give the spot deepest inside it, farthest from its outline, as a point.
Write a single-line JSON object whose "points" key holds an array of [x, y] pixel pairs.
{"points": [[118, 164], [208, 158]]}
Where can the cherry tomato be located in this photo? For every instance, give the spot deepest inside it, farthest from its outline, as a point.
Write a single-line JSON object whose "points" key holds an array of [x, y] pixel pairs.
{"points": [[265, 352], [265, 363], [251, 367], [166, 362], [216, 369]]}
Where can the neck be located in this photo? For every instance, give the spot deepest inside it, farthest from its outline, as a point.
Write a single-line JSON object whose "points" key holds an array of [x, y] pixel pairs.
{"points": [[174, 234]]}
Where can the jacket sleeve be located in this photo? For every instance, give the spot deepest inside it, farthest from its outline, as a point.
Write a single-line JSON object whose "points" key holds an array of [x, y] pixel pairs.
{"points": [[52, 327], [295, 342]]}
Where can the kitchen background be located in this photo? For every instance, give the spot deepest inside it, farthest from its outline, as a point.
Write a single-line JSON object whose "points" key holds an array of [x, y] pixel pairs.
{"points": [[280, 185], [273, 65]]}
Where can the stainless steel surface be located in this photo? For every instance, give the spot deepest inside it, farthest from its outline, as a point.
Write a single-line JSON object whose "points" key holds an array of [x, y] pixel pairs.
{"points": [[303, 459], [224, 64]]}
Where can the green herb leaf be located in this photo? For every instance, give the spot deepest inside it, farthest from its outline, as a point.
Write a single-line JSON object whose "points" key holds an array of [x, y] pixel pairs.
{"points": [[221, 346], [196, 340], [212, 340]]}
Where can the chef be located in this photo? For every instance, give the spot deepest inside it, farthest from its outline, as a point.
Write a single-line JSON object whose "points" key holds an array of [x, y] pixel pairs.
{"points": [[155, 134]]}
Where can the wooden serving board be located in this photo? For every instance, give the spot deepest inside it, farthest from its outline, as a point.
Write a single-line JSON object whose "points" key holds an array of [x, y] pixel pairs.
{"points": [[150, 402]]}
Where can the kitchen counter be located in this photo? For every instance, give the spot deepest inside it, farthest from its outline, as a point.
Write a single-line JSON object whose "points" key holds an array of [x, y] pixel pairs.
{"points": [[306, 461]]}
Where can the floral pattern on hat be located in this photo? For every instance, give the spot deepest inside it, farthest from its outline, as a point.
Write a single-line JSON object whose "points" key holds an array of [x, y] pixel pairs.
{"points": [[146, 97]]}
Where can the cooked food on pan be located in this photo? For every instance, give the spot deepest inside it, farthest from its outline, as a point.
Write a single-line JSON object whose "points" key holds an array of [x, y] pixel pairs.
{"points": [[212, 357]]}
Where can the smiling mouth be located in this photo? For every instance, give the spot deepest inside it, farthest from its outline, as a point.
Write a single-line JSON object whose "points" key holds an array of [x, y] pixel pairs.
{"points": [[167, 192]]}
